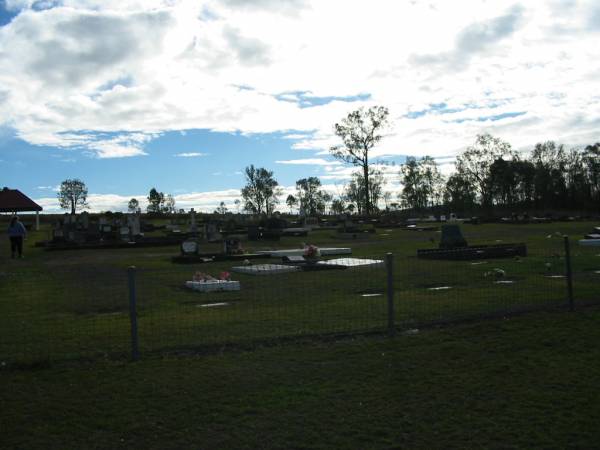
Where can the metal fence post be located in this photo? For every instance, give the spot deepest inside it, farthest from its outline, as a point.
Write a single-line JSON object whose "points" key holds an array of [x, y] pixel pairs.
{"points": [[389, 265], [569, 273], [135, 353]]}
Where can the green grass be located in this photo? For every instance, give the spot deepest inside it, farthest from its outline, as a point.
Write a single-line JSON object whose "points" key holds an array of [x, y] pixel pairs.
{"points": [[66, 305], [524, 382]]}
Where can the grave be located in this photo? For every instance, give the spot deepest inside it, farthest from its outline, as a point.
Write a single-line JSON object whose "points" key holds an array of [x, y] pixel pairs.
{"points": [[107, 231], [297, 263], [327, 251], [350, 230], [452, 237], [453, 246], [414, 227], [189, 248], [590, 242], [265, 269], [213, 285], [193, 224], [232, 246], [232, 251], [211, 232], [591, 239], [295, 232], [352, 263]]}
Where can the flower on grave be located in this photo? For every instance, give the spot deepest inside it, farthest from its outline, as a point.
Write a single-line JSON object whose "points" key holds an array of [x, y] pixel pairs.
{"points": [[496, 273], [201, 276], [311, 251], [224, 276]]}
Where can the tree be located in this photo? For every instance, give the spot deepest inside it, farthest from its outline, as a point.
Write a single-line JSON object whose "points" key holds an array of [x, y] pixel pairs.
{"points": [[169, 204], [310, 197], [338, 206], [327, 199], [356, 190], [410, 177], [222, 209], [291, 201], [475, 162], [591, 158], [155, 201], [360, 131], [237, 202], [72, 195], [459, 193], [422, 183], [354, 195], [133, 206], [550, 160], [260, 193], [387, 197]]}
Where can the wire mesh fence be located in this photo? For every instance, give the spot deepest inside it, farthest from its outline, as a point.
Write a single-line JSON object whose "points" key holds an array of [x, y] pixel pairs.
{"points": [[79, 311]]}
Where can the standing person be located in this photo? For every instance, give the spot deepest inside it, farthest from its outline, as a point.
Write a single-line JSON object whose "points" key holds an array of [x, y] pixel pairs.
{"points": [[16, 234]]}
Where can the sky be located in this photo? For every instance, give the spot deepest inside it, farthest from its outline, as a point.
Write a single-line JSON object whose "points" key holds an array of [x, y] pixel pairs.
{"points": [[127, 95]]}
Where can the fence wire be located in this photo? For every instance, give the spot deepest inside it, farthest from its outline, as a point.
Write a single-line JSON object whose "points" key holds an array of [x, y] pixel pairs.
{"points": [[77, 311]]}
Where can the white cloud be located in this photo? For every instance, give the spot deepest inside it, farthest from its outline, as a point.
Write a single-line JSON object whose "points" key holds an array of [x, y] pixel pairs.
{"points": [[190, 155], [82, 73], [49, 188], [310, 162]]}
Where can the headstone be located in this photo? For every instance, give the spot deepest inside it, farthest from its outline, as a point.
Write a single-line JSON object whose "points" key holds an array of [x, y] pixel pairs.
{"points": [[84, 220], [232, 246], [189, 248], [124, 233], [294, 259], [133, 222], [193, 225], [452, 237], [212, 232], [253, 232]]}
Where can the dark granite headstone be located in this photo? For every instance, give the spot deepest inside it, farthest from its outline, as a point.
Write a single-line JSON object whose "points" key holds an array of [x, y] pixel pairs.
{"points": [[452, 237]]}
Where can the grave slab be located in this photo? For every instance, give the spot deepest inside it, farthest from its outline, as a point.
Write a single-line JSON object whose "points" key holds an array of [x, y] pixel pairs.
{"points": [[265, 269], [328, 251], [590, 242], [213, 285], [351, 263]]}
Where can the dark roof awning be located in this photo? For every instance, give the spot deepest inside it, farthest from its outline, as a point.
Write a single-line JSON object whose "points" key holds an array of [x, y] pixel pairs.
{"points": [[13, 200]]}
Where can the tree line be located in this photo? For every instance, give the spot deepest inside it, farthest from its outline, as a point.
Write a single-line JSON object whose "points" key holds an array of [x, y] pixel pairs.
{"points": [[489, 174]]}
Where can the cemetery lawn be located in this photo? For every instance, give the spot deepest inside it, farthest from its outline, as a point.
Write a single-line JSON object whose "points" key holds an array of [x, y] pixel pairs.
{"points": [[59, 306], [526, 382]]}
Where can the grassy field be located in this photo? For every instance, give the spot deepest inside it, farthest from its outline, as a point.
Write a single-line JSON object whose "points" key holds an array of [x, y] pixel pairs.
{"points": [[72, 305], [525, 382]]}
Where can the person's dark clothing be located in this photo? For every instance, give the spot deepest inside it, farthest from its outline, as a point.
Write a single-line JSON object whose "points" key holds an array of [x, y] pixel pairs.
{"points": [[16, 233], [16, 245]]}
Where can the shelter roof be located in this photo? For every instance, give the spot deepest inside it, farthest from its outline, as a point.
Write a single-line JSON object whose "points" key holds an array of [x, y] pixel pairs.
{"points": [[13, 200]]}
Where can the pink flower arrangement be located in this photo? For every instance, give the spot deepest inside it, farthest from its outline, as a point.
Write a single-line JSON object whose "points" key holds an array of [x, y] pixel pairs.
{"points": [[224, 276], [201, 276], [311, 251]]}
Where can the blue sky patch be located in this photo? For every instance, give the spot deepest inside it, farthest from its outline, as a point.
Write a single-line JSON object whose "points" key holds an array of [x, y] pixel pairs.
{"points": [[493, 118], [305, 100]]}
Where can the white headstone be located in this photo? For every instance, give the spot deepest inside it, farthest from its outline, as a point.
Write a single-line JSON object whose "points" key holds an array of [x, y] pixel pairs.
{"points": [[133, 222]]}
